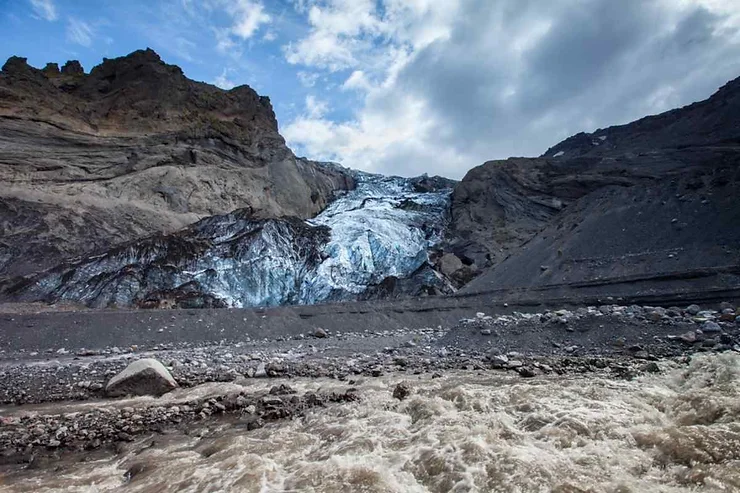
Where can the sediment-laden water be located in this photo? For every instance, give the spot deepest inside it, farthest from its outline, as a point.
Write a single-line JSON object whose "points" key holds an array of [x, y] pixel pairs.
{"points": [[675, 431]]}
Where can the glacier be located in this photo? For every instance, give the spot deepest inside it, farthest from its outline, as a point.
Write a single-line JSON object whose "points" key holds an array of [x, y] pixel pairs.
{"points": [[370, 242]]}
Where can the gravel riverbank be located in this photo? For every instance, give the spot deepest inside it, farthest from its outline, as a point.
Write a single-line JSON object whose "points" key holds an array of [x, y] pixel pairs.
{"points": [[613, 341]]}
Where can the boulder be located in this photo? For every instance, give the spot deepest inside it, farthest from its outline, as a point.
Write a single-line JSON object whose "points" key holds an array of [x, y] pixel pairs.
{"points": [[143, 377], [449, 264]]}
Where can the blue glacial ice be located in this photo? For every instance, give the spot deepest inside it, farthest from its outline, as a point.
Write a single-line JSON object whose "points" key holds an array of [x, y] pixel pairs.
{"points": [[382, 229]]}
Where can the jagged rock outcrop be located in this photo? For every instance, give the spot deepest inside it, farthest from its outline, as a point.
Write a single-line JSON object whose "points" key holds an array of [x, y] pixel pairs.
{"points": [[649, 205], [134, 148]]}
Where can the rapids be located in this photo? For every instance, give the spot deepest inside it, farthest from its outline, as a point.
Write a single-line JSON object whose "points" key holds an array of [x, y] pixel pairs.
{"points": [[676, 431]]}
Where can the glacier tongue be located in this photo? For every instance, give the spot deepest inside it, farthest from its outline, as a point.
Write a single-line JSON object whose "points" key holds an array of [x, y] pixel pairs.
{"points": [[370, 242], [380, 229]]}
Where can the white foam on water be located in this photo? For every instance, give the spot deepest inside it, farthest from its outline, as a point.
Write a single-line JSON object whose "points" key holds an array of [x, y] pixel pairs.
{"points": [[678, 431]]}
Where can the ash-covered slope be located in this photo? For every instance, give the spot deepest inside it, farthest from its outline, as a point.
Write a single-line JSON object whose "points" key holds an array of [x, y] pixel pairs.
{"points": [[371, 242], [648, 206], [134, 148]]}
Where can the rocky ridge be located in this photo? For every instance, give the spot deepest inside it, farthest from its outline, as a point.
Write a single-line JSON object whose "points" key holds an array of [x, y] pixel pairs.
{"points": [[640, 208], [135, 148]]}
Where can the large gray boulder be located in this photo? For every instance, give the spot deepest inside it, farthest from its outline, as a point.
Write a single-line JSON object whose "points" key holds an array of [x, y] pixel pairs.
{"points": [[143, 377]]}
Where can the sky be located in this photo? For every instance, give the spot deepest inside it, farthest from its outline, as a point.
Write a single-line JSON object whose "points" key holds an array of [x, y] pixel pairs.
{"points": [[412, 86]]}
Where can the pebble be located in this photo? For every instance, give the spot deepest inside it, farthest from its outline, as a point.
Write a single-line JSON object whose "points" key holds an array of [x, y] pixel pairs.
{"points": [[688, 337], [499, 361], [693, 309]]}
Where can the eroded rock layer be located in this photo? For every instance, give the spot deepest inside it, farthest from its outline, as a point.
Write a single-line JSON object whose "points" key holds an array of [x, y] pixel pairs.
{"points": [[88, 161]]}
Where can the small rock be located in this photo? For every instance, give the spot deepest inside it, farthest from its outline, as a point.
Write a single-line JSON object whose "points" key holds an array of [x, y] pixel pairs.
{"points": [[711, 328], [693, 309], [642, 355], [498, 361], [261, 371], [401, 391], [320, 333], [485, 332], [726, 306], [274, 369], [526, 372], [688, 337], [651, 367]]}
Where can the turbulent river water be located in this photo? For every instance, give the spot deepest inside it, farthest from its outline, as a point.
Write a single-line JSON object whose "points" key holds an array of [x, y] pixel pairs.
{"points": [[465, 432]]}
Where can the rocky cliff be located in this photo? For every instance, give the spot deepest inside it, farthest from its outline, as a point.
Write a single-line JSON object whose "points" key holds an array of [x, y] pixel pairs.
{"points": [[135, 148], [649, 205]]}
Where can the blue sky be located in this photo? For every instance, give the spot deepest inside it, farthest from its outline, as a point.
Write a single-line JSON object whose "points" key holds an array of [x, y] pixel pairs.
{"points": [[412, 86]]}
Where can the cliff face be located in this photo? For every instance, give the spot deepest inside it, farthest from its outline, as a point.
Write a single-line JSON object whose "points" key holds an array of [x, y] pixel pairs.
{"points": [[135, 148], [626, 207]]}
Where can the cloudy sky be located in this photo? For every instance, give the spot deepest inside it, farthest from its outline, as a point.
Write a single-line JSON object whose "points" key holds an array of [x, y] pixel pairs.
{"points": [[412, 86]]}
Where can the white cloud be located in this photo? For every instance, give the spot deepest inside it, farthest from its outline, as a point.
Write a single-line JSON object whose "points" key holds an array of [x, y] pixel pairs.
{"points": [[315, 108], [225, 43], [45, 9], [223, 81], [357, 81], [307, 79], [448, 85], [340, 30], [80, 32], [248, 16]]}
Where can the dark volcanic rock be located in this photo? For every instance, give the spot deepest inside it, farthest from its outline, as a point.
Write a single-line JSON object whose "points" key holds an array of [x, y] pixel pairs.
{"points": [[643, 208], [135, 148]]}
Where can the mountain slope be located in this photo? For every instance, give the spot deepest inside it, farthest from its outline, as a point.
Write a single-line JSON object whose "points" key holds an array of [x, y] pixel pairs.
{"points": [[135, 148], [637, 206]]}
